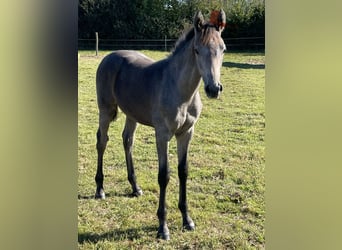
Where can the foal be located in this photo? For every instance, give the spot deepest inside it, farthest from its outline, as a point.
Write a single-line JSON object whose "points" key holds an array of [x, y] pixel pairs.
{"points": [[163, 95]]}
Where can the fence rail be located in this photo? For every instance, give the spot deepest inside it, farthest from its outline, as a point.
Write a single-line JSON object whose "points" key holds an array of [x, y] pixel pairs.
{"points": [[253, 43]]}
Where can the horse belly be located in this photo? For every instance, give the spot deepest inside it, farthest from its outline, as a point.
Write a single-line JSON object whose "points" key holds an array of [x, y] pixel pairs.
{"points": [[133, 98], [137, 114]]}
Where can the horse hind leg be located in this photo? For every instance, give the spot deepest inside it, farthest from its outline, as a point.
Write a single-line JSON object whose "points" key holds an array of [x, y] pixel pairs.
{"points": [[128, 140], [105, 117]]}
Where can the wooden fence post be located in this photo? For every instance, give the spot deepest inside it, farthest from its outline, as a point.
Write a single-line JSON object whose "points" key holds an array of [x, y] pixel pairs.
{"points": [[165, 44], [97, 42]]}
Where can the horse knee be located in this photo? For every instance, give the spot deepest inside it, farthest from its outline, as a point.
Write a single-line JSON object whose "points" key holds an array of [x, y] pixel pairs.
{"points": [[182, 173], [163, 177]]}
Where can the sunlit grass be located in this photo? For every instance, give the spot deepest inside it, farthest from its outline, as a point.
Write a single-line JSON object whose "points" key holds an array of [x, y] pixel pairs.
{"points": [[226, 184]]}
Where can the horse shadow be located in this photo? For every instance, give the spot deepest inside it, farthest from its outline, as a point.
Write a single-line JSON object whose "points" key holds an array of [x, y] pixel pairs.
{"points": [[108, 195], [115, 235], [243, 65]]}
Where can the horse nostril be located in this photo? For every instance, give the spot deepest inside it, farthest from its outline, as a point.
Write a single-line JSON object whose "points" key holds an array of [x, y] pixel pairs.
{"points": [[220, 86]]}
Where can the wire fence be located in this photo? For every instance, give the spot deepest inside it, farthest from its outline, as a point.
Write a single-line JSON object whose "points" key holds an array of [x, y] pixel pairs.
{"points": [[242, 43]]}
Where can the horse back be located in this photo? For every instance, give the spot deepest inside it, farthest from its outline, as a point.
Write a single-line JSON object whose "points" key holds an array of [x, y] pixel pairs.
{"points": [[124, 79]]}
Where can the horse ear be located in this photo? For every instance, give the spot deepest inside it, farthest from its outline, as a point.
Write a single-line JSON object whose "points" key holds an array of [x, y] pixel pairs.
{"points": [[221, 20], [218, 19], [198, 21]]}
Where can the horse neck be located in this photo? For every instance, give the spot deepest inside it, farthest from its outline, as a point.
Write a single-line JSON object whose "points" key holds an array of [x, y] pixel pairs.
{"points": [[183, 67]]}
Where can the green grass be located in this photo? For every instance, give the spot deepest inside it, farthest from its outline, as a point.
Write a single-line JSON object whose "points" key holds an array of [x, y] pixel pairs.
{"points": [[226, 184]]}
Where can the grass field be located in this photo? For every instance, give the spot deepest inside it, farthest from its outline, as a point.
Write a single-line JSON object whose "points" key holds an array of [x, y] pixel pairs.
{"points": [[226, 184]]}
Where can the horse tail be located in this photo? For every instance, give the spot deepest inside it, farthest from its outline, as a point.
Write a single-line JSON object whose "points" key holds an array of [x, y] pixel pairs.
{"points": [[106, 76]]}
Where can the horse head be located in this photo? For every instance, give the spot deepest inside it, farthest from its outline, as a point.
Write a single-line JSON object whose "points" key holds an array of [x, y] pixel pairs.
{"points": [[209, 48]]}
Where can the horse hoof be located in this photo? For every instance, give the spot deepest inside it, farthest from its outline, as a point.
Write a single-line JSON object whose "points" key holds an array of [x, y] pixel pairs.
{"points": [[137, 193], [163, 233], [189, 225], [163, 236], [100, 194]]}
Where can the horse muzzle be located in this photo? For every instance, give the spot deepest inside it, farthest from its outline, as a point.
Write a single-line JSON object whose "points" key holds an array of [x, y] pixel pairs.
{"points": [[213, 90]]}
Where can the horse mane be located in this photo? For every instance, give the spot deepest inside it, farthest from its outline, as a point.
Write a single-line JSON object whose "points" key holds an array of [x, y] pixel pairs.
{"points": [[189, 34], [183, 40]]}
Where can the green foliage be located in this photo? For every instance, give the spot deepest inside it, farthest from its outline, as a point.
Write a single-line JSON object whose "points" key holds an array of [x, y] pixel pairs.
{"points": [[226, 185], [121, 19], [245, 18]]}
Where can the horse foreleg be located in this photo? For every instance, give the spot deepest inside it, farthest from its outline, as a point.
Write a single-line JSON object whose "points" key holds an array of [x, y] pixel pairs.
{"points": [[183, 141], [128, 139], [163, 180]]}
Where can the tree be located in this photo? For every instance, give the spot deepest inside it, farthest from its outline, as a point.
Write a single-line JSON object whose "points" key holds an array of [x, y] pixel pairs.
{"points": [[155, 19]]}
